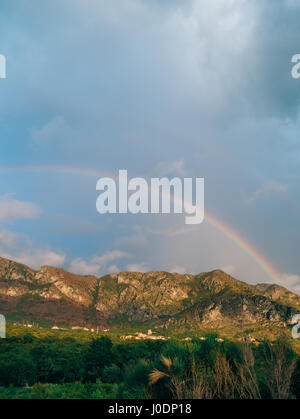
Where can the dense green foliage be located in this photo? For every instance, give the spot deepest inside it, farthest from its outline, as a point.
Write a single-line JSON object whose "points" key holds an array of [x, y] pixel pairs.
{"points": [[56, 367]]}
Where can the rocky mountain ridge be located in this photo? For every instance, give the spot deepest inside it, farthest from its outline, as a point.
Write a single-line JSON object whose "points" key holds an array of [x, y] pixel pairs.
{"points": [[210, 298]]}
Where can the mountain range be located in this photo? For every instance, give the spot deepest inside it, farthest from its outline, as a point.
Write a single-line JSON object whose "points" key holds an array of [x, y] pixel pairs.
{"points": [[210, 299]]}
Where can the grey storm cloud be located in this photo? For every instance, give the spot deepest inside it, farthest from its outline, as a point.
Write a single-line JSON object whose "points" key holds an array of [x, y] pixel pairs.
{"points": [[197, 88]]}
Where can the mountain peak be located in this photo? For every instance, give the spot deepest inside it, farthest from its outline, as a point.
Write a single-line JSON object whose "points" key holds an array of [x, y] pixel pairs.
{"points": [[212, 298]]}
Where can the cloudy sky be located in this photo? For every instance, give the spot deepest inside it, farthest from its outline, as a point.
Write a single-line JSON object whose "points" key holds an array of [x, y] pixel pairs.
{"points": [[195, 88]]}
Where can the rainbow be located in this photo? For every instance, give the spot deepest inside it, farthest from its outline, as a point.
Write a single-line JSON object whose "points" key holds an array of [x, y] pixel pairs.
{"points": [[243, 244], [228, 231]]}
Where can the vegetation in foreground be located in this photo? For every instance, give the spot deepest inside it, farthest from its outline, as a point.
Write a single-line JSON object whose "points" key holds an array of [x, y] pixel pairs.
{"points": [[73, 366]]}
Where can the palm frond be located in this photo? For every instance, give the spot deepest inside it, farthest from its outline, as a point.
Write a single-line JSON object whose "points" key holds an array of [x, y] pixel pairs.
{"points": [[156, 375], [166, 361]]}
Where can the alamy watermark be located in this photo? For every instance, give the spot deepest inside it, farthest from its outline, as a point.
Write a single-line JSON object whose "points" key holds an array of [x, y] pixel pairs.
{"points": [[2, 327], [296, 67], [2, 66], [159, 196], [296, 328]]}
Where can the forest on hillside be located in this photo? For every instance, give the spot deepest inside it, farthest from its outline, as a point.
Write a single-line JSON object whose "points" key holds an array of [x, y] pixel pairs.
{"points": [[68, 367]]}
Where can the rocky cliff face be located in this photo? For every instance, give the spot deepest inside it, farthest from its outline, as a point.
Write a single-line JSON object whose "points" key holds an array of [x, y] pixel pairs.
{"points": [[210, 299]]}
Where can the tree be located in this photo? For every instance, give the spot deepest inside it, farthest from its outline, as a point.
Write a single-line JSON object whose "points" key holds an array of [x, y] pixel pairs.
{"points": [[98, 356]]}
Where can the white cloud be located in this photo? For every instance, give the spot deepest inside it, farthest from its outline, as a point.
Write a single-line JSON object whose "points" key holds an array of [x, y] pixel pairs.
{"points": [[270, 187], [179, 270], [12, 209], [55, 130], [10, 240], [138, 267], [19, 247], [175, 168], [113, 269], [35, 258], [110, 256], [291, 282], [97, 265], [39, 257], [81, 267]]}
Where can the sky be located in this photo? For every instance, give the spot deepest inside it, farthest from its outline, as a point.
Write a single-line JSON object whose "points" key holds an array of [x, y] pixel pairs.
{"points": [[160, 88]]}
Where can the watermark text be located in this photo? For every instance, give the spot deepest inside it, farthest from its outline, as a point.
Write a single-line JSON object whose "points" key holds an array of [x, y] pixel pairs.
{"points": [[2, 66], [296, 328], [159, 196], [2, 327], [296, 67]]}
